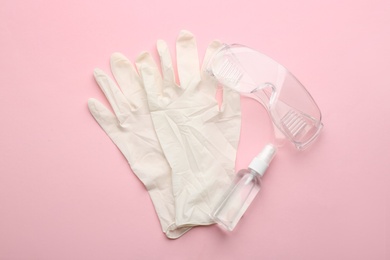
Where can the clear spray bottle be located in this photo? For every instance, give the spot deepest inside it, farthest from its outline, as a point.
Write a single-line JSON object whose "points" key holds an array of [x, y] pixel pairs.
{"points": [[243, 190]]}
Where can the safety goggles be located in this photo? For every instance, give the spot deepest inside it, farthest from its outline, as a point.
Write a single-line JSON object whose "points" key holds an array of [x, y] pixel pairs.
{"points": [[294, 113]]}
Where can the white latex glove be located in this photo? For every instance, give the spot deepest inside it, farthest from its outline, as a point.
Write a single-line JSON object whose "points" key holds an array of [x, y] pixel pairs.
{"points": [[131, 129], [198, 139]]}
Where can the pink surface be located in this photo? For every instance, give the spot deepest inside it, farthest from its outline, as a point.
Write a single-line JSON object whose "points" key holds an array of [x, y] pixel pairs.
{"points": [[66, 192]]}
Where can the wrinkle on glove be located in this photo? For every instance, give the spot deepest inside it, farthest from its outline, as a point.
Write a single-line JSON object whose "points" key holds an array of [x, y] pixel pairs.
{"points": [[198, 139], [131, 129]]}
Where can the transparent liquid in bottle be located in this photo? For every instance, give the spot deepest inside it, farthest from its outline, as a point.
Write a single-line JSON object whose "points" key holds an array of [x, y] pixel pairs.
{"points": [[237, 199]]}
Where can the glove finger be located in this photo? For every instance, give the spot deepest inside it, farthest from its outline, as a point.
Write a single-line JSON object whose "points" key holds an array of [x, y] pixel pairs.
{"points": [[187, 59], [151, 78], [129, 81], [229, 121], [231, 103], [166, 63], [116, 98], [102, 115], [211, 50], [211, 87], [170, 88], [109, 123]]}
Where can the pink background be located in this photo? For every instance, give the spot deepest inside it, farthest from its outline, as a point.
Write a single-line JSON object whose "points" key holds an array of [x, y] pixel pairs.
{"points": [[66, 192]]}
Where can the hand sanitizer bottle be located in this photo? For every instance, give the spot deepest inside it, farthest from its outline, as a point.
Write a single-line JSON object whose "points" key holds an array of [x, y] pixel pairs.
{"points": [[243, 190]]}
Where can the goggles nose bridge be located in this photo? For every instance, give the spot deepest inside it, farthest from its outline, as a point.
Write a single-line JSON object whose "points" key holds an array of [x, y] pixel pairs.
{"points": [[267, 92]]}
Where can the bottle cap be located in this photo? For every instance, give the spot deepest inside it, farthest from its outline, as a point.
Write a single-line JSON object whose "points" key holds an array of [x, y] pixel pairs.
{"points": [[261, 162]]}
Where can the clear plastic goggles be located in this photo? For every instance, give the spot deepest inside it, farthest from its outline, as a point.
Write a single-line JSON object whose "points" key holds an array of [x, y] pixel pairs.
{"points": [[294, 113]]}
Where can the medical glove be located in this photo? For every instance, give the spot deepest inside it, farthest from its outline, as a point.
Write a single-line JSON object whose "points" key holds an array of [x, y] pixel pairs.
{"points": [[131, 129], [199, 139]]}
